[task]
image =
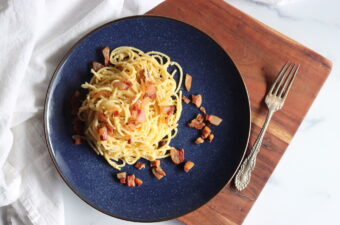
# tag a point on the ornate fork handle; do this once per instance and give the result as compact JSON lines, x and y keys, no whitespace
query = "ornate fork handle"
{"x":243,"y":175}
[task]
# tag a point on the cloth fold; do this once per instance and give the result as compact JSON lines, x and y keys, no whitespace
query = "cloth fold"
{"x":35,"y":36}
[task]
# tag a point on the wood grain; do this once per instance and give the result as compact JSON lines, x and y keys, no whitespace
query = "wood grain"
{"x":258,"y":52}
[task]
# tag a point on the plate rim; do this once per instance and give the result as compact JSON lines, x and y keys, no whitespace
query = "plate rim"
{"x":47,"y":103}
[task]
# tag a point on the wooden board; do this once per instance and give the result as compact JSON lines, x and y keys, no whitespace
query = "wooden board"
{"x":259,"y":52}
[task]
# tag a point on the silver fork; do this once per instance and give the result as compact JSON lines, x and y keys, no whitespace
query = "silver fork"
{"x":274,"y":100}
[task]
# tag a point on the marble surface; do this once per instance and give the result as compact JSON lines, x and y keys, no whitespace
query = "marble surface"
{"x":304,"y":188}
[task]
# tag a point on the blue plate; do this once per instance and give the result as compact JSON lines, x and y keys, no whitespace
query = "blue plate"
{"x":215,"y":76}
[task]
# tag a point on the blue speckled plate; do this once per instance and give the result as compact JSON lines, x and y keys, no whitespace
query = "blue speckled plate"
{"x":224,"y":94}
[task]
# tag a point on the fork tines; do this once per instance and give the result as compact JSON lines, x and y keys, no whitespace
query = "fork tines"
{"x":284,"y":80}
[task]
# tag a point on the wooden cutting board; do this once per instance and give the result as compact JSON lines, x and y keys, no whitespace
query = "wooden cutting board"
{"x":258,"y":52}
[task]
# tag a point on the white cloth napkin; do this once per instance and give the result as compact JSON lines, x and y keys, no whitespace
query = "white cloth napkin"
{"x":34,"y":35}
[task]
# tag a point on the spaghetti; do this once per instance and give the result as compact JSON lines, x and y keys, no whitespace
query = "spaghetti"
{"x":133,"y":106}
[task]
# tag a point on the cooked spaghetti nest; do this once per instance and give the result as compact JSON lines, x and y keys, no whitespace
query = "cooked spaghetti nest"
{"x":133,"y":106}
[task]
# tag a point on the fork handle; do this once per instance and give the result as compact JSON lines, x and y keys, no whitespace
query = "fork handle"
{"x":242,"y":178}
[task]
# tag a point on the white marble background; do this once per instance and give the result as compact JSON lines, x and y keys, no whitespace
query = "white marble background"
{"x":305,"y":187}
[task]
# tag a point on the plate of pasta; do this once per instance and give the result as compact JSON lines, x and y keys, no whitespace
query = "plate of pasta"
{"x":147,"y":118}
